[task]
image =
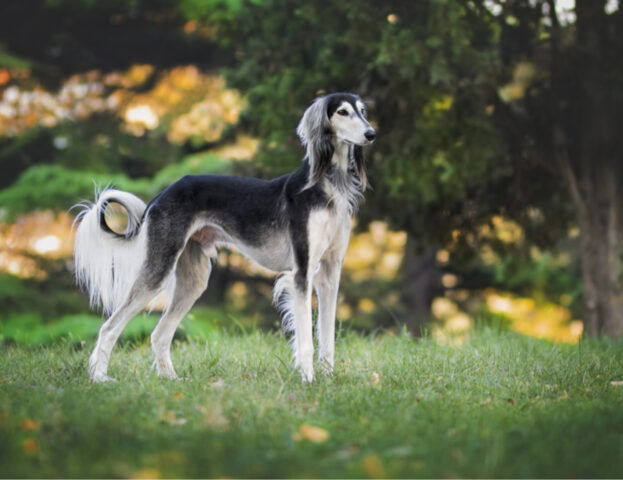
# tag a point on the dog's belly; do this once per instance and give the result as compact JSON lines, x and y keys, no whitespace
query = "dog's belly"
{"x":274,"y":254}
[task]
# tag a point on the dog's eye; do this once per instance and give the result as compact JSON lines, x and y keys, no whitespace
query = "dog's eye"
{"x":342,"y":111}
{"x":364,"y":112}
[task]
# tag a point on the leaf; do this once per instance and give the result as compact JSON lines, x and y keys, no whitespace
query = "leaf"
{"x":146,"y":473}
{"x":311,"y":433}
{"x":29,"y":424}
{"x":373,"y":466}
{"x":30,"y":446}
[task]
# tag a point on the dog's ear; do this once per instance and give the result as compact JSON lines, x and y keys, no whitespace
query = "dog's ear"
{"x":316,"y":133}
{"x":360,"y":166}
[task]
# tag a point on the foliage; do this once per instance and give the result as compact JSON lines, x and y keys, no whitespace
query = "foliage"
{"x":82,"y":35}
{"x":56,"y":187}
{"x":11,"y":61}
{"x":47,"y":300}
{"x":14,"y":294}
{"x":28,"y":330}
{"x":500,"y":405}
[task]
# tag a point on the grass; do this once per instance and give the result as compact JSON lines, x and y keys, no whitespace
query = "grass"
{"x":500,"y":405}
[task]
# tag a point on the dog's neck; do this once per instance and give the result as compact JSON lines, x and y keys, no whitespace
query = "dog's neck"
{"x":341,"y":155}
{"x":343,"y":186}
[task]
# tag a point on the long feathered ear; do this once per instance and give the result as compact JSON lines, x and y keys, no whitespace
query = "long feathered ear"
{"x":315,"y":133}
{"x":360,"y":166}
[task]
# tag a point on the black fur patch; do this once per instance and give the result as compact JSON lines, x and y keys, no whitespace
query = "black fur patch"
{"x":336,"y":99}
{"x":360,"y":166}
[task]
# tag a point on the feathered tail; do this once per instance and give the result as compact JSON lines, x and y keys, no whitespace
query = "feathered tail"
{"x":107,"y":263}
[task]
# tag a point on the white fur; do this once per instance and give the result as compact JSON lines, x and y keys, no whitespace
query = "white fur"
{"x":96,"y":251}
{"x":352,"y":127}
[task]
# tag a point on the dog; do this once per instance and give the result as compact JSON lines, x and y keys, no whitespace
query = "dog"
{"x":297,"y":225}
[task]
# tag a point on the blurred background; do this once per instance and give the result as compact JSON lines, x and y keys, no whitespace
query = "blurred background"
{"x":496,"y":178}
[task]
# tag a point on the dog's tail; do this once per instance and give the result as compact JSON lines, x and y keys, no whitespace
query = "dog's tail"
{"x":107,"y":263}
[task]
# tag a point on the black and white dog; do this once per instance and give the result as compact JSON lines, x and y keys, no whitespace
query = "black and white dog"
{"x":298,"y":224}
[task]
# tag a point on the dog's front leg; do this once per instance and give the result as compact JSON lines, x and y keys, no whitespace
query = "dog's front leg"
{"x":303,"y":337}
{"x":326,"y":284}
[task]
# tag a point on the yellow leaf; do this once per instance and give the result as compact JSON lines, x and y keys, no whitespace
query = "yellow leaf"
{"x":178,"y":395}
{"x":30,"y":446}
{"x":311,"y":433}
{"x":373,"y":466}
{"x":29,"y":424}
{"x":146,"y":473}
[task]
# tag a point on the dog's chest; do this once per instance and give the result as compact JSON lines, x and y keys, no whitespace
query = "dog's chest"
{"x":326,"y":227}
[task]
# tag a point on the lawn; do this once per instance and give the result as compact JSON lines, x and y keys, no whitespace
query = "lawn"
{"x":498,"y":405}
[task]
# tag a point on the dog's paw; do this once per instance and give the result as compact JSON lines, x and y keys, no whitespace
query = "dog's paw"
{"x":173,"y":377}
{"x":165,"y":370}
{"x":307,"y":375}
{"x":102,"y":379}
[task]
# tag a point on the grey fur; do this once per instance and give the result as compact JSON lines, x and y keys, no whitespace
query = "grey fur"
{"x":316,"y":133}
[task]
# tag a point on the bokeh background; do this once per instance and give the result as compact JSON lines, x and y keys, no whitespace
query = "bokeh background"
{"x":496,"y":175}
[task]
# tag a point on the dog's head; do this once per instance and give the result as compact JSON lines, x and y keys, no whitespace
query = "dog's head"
{"x":338,"y":117}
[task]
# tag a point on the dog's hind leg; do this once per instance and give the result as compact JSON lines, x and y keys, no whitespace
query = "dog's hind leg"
{"x":191,"y":278}
{"x":110,"y":330}
{"x":163,"y":255}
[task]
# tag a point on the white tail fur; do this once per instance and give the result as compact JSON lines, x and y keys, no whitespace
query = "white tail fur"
{"x":106,"y":263}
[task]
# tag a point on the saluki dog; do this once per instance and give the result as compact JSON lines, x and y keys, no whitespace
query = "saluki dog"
{"x":298,"y":225}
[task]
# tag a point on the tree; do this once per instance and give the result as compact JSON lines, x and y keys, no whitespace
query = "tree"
{"x":569,"y":121}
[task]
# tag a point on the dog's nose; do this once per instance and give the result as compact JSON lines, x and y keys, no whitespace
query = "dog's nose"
{"x":370,"y":135}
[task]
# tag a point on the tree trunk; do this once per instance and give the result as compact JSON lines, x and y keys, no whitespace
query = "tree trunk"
{"x":592,"y":169}
{"x":421,"y":282}
{"x":600,"y":251}
{"x":596,"y":196}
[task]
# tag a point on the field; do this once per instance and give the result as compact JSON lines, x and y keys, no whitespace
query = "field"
{"x":498,"y":405}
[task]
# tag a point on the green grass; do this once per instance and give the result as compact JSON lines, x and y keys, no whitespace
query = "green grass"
{"x":499,"y":405}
